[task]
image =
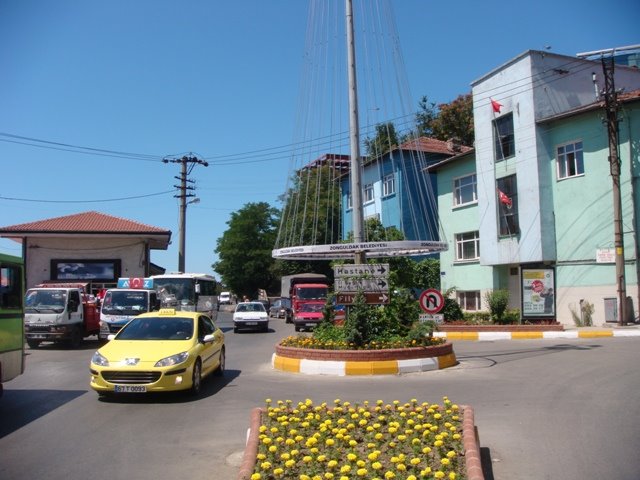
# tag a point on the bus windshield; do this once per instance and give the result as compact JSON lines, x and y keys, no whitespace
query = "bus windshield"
{"x":175,"y":291}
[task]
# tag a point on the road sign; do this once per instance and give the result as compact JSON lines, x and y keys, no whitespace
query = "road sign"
{"x":436,"y":317}
{"x":380,"y":298}
{"x":431,"y":300}
{"x":361,"y":270}
{"x":379,"y":284}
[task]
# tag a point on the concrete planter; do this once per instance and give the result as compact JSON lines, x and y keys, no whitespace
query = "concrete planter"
{"x":363,"y":362}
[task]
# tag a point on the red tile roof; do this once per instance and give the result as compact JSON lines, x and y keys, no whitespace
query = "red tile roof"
{"x":86,"y":222}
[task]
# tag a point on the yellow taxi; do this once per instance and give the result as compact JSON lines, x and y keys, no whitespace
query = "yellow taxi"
{"x":159,"y":351}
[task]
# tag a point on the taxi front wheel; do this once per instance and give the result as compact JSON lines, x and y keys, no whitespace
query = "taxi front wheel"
{"x":196,"y":379}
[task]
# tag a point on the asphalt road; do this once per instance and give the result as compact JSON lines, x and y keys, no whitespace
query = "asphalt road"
{"x":545,"y":409}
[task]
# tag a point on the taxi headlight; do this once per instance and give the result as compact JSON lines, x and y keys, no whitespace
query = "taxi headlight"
{"x":173,"y":360}
{"x":99,"y":360}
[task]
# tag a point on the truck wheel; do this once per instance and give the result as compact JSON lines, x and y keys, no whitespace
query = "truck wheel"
{"x":33,"y":343}
{"x":76,"y":338}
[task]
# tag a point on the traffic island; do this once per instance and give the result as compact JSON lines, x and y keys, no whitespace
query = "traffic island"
{"x":363,"y":362}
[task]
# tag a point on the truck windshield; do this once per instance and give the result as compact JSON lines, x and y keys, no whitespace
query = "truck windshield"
{"x":125,"y":303}
{"x":311,"y":293}
{"x":45,"y":300}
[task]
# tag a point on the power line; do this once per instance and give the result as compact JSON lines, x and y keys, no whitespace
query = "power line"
{"x":86,"y":201}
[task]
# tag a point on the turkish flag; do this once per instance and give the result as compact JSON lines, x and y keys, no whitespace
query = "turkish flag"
{"x":496,"y":106}
{"x":504,"y":199}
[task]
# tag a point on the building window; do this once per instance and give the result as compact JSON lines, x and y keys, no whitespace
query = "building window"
{"x":507,"y":193}
{"x":469,"y":300}
{"x":368,"y":193}
{"x":570,"y":160}
{"x":504,"y":139}
{"x":467,"y":246}
{"x":465,"y":190}
{"x":388,"y":185}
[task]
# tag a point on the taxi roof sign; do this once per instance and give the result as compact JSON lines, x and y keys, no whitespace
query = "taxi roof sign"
{"x":135,"y":282}
{"x":167,"y":311}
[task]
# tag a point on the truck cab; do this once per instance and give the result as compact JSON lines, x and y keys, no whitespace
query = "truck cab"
{"x":59,"y":313}
{"x":120,"y":305}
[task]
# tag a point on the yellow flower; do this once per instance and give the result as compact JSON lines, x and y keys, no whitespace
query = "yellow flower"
{"x":414,"y":461}
{"x":345,"y":469}
{"x":330,"y":442}
{"x":362,"y":472}
{"x":328,"y":475}
{"x":256,"y":476}
{"x":452,"y":476}
{"x":376,"y":465}
{"x":451,"y":454}
{"x":265,"y":465}
{"x":445,"y":461}
{"x":304,"y":477}
{"x":439,"y":474}
{"x":389,"y":474}
{"x":332,"y":463}
{"x":307,"y":458}
{"x":351,"y":457}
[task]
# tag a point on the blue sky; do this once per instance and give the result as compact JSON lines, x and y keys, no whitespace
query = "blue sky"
{"x":219,"y":79}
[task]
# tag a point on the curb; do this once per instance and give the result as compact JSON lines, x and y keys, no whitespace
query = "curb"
{"x":573,"y":334}
{"x":470,"y":442}
{"x":374,"y":367}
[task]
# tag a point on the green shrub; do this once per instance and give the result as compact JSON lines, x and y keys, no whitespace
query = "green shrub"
{"x":497,"y":300}
{"x":452,"y":310}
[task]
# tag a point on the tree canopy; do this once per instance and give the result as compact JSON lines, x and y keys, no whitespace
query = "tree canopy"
{"x":447,"y":120}
{"x":245,"y":263}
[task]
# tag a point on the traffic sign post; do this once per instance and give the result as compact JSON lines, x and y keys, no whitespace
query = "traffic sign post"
{"x":362,"y":284}
{"x":370,"y":279}
{"x":370,"y":298}
{"x":431,"y":301}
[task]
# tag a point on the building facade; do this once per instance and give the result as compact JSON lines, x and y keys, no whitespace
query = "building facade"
{"x":541,"y":225}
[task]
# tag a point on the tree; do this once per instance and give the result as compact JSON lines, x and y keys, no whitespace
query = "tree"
{"x":449,"y":121}
{"x":245,"y":263}
{"x":385,"y":139}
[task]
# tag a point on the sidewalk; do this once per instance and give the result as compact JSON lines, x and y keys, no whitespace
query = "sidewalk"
{"x":631,"y":330}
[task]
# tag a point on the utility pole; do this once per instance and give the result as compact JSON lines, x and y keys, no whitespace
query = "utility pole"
{"x":611,"y":109}
{"x":186,"y":187}
{"x":354,"y":129}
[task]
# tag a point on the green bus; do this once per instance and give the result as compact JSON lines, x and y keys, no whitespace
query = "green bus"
{"x":11,"y":318}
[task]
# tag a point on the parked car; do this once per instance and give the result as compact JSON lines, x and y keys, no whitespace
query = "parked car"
{"x":224,"y":298}
{"x":159,"y":352}
{"x":280,"y":308}
{"x":250,"y":315}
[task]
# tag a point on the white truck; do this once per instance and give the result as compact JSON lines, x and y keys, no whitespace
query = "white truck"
{"x":59,"y":312}
{"x":132,"y":297}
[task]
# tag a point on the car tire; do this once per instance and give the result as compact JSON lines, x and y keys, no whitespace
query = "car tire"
{"x":235,"y":329}
{"x":196,"y":378}
{"x":219,"y":372}
{"x":297,"y":328}
{"x":33,"y":343}
{"x":266,"y":328}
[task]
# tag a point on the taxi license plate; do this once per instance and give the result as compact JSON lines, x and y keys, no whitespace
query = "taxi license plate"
{"x":251,"y":323}
{"x":130,"y":389}
{"x":309,"y":324}
{"x":38,"y":336}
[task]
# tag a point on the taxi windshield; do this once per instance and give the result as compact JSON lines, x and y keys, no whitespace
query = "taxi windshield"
{"x":157,"y":328}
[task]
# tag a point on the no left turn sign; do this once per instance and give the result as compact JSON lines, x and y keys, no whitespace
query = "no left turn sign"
{"x":431,"y":300}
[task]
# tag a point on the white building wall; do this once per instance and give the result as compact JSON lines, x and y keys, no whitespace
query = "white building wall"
{"x":40,"y":251}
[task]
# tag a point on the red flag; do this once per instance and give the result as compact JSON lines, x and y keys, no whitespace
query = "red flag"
{"x":496,"y":106}
{"x":506,"y":201}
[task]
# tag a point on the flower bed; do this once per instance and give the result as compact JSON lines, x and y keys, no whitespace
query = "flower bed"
{"x":407,"y":441}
